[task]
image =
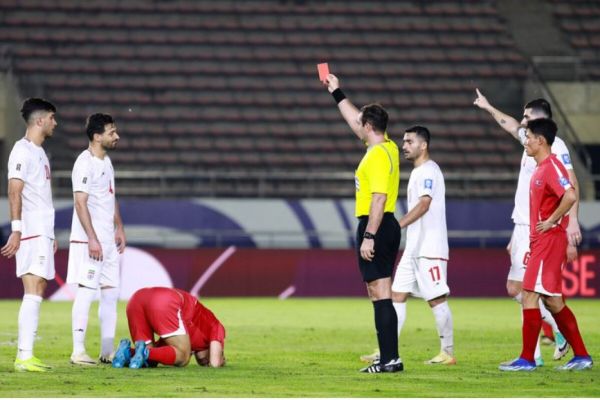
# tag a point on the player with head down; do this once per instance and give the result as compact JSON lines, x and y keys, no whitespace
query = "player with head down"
{"x":184,"y":327}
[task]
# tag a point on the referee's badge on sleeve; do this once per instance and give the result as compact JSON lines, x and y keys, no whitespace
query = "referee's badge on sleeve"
{"x":428,"y":183}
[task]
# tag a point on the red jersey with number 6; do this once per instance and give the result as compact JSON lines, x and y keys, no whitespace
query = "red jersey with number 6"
{"x":548,"y":184}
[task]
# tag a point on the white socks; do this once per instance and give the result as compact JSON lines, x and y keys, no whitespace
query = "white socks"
{"x":401,"y":312}
{"x":445,"y":326}
{"x":547,"y":317}
{"x":519,"y":298}
{"x":29,"y":314}
{"x":107,"y":313}
{"x":443,"y":322}
{"x":79,"y":316}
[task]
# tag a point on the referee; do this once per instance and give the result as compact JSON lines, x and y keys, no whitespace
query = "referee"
{"x":378,"y":233}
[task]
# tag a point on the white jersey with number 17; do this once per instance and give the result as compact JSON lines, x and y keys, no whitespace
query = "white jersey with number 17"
{"x":427,"y":236}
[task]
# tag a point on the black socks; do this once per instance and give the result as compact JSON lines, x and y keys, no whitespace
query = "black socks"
{"x":386,"y":323}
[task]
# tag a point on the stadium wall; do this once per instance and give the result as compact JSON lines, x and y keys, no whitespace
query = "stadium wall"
{"x":277,"y":247}
{"x":236,"y":271}
{"x":581,"y":102}
{"x":290,"y":224}
{"x":11,"y":125}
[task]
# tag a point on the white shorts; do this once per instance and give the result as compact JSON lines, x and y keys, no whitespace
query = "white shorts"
{"x":36,"y":256}
{"x":519,"y":252}
{"x":422,"y":277}
{"x":91,"y":273}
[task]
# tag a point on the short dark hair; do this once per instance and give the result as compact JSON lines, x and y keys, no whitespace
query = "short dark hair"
{"x":96,"y":123}
{"x":540,"y":106}
{"x":34,"y":104}
{"x":375,"y":115}
{"x":544,"y":127}
{"x":421,"y":132}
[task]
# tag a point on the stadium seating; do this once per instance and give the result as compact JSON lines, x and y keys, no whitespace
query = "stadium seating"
{"x":580,"y":22}
{"x":232,"y":86}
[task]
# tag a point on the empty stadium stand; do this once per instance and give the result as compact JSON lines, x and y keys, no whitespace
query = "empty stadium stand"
{"x":580,"y":22}
{"x":227,"y":91}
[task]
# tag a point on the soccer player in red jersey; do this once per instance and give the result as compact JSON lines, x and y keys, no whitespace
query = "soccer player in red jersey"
{"x":184,"y":327}
{"x":551,"y":196}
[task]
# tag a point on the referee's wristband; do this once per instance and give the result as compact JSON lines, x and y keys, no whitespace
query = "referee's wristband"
{"x":16,"y":225}
{"x":338,"y":95}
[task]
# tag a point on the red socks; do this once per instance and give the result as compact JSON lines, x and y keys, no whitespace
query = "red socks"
{"x":547,"y":330}
{"x":532,"y":323}
{"x":567,"y":324}
{"x":164,"y":355}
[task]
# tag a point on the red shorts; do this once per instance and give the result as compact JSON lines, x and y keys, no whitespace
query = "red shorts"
{"x":546,"y":262}
{"x":155,"y":310}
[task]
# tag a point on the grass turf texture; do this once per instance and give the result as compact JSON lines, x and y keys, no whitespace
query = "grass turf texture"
{"x":310,"y":348}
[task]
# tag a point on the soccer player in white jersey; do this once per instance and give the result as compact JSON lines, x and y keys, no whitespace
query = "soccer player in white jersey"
{"x":32,"y":222}
{"x":518,"y":246}
{"x":422,"y":268}
{"x":97,"y":239}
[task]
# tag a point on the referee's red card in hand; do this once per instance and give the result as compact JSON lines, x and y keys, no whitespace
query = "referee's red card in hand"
{"x":323,"y":71}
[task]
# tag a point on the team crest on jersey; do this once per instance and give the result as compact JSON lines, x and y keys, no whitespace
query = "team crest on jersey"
{"x":564,"y":182}
{"x":538,"y":182}
{"x":566,"y":159}
{"x":90,"y":274}
{"x":428,"y":183}
{"x":18,"y":168}
{"x":84,"y":180}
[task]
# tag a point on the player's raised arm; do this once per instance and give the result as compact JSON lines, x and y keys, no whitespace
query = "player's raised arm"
{"x":15,"y":189}
{"x":348,"y":110}
{"x":506,"y":122}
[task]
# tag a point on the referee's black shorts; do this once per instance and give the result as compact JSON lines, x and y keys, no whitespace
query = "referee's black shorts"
{"x":387,"y":243}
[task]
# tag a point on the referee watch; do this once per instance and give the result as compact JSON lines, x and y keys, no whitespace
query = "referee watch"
{"x":369,"y":235}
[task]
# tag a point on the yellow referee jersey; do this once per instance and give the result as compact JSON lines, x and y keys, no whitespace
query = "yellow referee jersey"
{"x":378,"y":172}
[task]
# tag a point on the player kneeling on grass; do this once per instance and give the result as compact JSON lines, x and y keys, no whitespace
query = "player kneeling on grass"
{"x":184,"y":326}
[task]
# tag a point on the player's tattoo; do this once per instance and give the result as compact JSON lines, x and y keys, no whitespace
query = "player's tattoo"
{"x":502,"y":121}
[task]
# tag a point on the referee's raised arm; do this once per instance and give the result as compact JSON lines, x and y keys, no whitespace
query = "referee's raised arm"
{"x":376,"y":180}
{"x":348,"y":110}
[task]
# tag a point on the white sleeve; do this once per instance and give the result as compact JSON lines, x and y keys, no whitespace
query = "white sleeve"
{"x":425,"y":182}
{"x":81,"y":176}
{"x":521,"y":132}
{"x":18,"y":162}
{"x":562,"y":153}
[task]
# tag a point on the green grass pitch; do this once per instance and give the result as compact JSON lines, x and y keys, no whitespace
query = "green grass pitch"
{"x":310,"y":348}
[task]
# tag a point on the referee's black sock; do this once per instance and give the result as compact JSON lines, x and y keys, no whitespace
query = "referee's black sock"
{"x":386,"y":323}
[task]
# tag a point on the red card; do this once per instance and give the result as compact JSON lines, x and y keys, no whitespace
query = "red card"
{"x":323,"y":71}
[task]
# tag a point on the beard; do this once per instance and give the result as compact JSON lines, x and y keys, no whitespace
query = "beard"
{"x":110,"y":146}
